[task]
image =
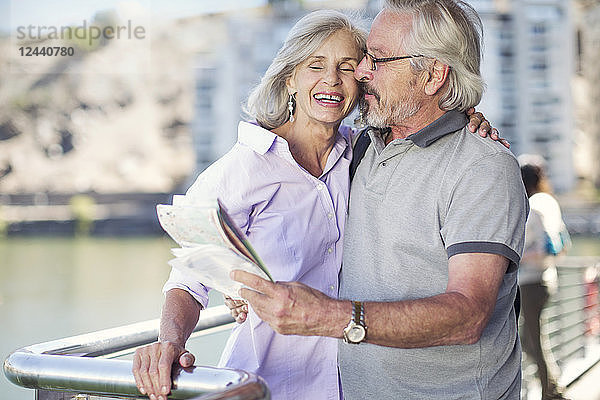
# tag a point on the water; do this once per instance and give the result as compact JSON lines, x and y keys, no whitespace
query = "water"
{"x":585,"y":246}
{"x":56,"y":287}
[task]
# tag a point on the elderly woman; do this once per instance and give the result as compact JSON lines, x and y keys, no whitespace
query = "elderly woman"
{"x":286,"y":184}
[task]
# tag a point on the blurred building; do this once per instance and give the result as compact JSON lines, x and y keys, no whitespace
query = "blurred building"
{"x":586,"y":89}
{"x":528,"y":65}
{"x":226,"y":73}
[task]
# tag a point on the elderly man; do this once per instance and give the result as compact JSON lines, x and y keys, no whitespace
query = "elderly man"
{"x":429,"y":274}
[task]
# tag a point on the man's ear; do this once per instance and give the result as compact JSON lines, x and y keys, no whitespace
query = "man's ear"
{"x":437,"y":77}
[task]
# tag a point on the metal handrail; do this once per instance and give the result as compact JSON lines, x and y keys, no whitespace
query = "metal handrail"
{"x":72,"y":364}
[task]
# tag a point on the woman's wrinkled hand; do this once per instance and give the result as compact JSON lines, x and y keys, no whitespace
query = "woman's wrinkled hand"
{"x":478,"y":123}
{"x":152,"y":365}
{"x":238,"y":309}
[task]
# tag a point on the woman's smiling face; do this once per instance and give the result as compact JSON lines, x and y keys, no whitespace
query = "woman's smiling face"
{"x":326,"y":91}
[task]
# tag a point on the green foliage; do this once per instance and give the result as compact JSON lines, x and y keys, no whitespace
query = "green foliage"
{"x":3,"y":225}
{"x":83,"y":208}
{"x":84,"y":42}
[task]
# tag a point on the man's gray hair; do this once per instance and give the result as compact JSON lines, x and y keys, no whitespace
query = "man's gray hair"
{"x":267,"y":102}
{"x":451,"y":32}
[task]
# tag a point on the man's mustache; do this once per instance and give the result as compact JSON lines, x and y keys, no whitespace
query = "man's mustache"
{"x":367,"y":89}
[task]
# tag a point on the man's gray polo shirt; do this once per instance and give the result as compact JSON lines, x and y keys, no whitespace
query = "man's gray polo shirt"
{"x":414,"y":203}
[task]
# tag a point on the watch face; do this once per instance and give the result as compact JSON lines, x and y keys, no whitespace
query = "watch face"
{"x":356,"y":333}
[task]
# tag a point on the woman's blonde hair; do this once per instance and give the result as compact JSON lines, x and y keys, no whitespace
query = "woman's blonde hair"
{"x":267,"y":102}
{"x":451,"y":32}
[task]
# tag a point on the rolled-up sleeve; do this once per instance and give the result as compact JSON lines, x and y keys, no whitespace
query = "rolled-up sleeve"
{"x":179,"y":280}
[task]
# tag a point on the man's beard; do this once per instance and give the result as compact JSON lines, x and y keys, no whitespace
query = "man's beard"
{"x":383,"y":114}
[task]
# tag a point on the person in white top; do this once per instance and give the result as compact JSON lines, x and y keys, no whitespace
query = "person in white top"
{"x":546,"y":237}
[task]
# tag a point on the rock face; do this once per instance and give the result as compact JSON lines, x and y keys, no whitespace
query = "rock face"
{"x":110,"y":119}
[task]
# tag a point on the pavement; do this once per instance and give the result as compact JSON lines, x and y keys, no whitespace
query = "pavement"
{"x":587,"y":387}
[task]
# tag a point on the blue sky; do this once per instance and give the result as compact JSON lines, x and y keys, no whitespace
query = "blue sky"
{"x":14,"y":13}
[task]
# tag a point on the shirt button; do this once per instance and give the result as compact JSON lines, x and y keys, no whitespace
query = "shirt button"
{"x":330,"y":250}
{"x":383,"y":164}
{"x":320,"y":186}
{"x":329,"y":215}
{"x":331,"y":287}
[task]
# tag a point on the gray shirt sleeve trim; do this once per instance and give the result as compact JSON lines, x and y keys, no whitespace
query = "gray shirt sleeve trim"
{"x":486,"y":247}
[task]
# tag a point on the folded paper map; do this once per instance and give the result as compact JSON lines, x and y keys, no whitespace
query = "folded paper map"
{"x":211,"y":244}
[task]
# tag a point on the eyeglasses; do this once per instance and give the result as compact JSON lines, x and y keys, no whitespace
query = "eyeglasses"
{"x":374,"y":60}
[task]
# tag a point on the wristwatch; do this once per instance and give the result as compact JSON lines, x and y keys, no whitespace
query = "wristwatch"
{"x":356,"y":331}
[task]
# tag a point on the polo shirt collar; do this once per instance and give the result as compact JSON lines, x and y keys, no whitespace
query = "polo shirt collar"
{"x":451,"y":121}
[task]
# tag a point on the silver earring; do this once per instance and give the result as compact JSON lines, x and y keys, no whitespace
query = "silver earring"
{"x":291,"y":107}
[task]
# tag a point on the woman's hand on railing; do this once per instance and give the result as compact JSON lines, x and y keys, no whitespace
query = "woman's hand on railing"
{"x":152,"y":365}
{"x":238,"y":309}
